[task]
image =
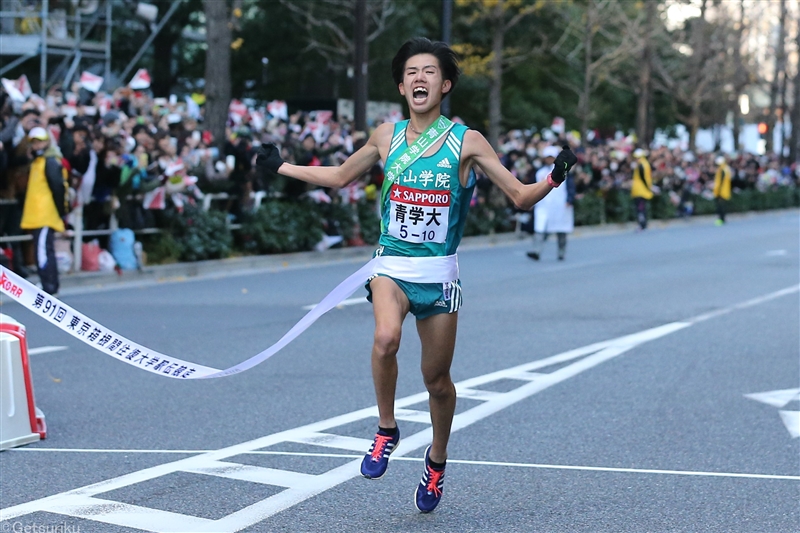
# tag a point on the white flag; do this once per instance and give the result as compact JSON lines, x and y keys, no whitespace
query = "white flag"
{"x":140,"y":80}
{"x":91,"y":82}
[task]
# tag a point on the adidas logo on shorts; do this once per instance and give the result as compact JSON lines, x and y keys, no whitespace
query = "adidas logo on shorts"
{"x":444,"y":163}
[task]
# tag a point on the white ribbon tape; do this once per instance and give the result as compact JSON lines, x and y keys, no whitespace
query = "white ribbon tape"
{"x":83,"y":328}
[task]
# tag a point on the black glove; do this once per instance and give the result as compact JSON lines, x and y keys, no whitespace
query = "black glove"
{"x":269,"y":157}
{"x":564,"y":162}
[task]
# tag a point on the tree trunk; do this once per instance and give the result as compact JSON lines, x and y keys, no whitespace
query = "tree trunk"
{"x":700,"y":55}
{"x":645,"y":82}
{"x":583,"y":104}
{"x":360,"y":61}
{"x":784,"y":80}
{"x":694,"y":126}
{"x":496,"y":87}
{"x":218,"y":68}
{"x":162,"y":63}
{"x":794,"y":141}
{"x":775,"y":85}
{"x":739,"y":78}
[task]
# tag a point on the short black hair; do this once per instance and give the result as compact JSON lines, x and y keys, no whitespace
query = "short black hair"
{"x":448,"y":59}
{"x":30,"y":112}
{"x":139,"y":128}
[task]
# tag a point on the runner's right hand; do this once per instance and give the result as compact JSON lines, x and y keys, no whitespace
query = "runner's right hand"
{"x":268,"y":156}
{"x":563,"y":163}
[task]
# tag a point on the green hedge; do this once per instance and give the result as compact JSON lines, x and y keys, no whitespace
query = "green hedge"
{"x":618,"y":206}
{"x":280,"y":227}
{"x":292,"y":226}
{"x":191,"y":235}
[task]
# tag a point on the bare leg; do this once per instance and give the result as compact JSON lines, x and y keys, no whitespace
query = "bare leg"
{"x":438,"y":336}
{"x":390,"y":305}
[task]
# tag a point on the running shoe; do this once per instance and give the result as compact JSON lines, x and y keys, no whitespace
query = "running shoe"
{"x":429,"y":490}
{"x":377,"y":459}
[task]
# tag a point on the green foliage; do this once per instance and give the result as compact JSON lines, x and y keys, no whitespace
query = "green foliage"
{"x":751,"y":200}
{"x":339,"y":219}
{"x":369,"y":221}
{"x":589,"y":210}
{"x":200,"y":234}
{"x":161,"y":248}
{"x":280,"y":227}
{"x":283,"y":227}
{"x":484,"y":218}
{"x":619,"y":206}
{"x":661,"y":207}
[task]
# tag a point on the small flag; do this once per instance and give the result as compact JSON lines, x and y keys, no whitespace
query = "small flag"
{"x":18,"y":90}
{"x":24,"y":86}
{"x":91,"y":82}
{"x":278,"y":109}
{"x":155,"y":199}
{"x":140,"y":80}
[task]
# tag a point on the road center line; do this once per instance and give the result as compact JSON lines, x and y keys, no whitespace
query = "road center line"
{"x":343,"y":303}
{"x":46,"y":349}
{"x":83,"y":501}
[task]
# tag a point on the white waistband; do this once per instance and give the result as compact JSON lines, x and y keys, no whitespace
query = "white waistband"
{"x":418,"y":269}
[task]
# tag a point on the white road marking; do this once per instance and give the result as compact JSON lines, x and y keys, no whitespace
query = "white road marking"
{"x":775,"y":398}
{"x":46,"y":349}
{"x":743,"y":305}
{"x":776,"y":253}
{"x":780,"y":398}
{"x":82,"y":502}
{"x":450,"y":460}
{"x":344,"y":303}
{"x":791,"y":419}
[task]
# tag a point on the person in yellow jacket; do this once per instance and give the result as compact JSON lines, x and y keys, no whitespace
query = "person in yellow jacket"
{"x":45,"y":205}
{"x":641,"y":186}
{"x":722,"y":188}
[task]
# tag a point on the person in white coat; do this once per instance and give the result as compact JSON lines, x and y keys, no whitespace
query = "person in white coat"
{"x":554,"y":213}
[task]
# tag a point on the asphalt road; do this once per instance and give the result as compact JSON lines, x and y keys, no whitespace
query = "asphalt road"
{"x":605,"y":393}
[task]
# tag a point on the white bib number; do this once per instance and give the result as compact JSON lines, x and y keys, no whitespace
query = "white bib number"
{"x":418,"y":215}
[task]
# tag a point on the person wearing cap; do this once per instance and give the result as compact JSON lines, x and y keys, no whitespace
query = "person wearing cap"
{"x":722,"y":188}
{"x":553,"y":213}
{"x":45,"y":205}
{"x":641,"y":186}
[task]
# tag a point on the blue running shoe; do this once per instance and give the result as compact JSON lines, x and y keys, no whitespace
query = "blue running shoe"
{"x":377,"y":459}
{"x":429,"y":490}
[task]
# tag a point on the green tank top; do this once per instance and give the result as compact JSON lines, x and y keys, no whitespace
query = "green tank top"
{"x":424,"y":210}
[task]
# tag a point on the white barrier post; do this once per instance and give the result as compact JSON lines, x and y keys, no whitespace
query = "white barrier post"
{"x":20,"y":421}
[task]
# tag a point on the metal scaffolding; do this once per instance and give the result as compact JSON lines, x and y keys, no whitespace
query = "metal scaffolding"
{"x":74,"y":31}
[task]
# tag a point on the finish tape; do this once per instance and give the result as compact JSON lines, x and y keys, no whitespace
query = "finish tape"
{"x":99,"y":337}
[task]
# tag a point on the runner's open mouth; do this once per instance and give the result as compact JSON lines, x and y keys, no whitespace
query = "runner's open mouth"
{"x":420,"y":94}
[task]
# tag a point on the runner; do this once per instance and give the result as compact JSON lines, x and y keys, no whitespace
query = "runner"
{"x":428,"y":162}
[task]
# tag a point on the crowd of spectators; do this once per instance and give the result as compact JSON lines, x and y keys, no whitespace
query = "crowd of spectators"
{"x":606,"y":165}
{"x":129,"y":156}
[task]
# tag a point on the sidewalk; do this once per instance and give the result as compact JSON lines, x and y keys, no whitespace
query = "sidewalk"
{"x":361,"y":254}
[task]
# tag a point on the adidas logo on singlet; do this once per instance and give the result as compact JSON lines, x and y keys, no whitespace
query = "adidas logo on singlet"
{"x":444,"y":163}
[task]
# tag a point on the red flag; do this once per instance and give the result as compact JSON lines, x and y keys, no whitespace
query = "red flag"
{"x":140,"y":80}
{"x":91,"y":82}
